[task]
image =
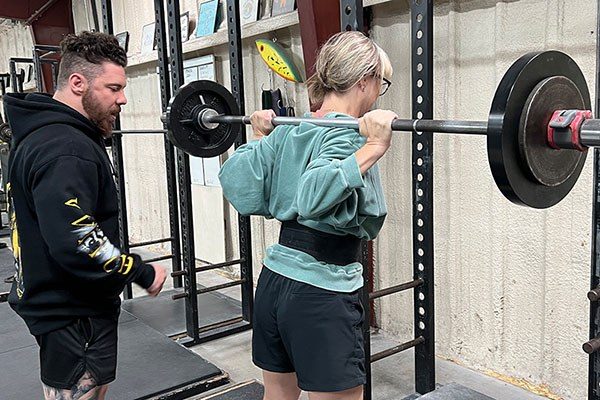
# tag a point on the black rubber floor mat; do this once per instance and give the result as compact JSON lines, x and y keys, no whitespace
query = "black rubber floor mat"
{"x":168,"y":316}
{"x":150,"y":365}
{"x":252,"y":390}
{"x":13,"y":332}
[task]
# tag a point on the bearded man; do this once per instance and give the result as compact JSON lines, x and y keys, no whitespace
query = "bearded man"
{"x":64,"y":219}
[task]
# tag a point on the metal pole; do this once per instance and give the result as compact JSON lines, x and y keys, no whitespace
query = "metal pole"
{"x":422,"y":171}
{"x":12,"y":68}
{"x":594,"y":358}
{"x":38,"y":70}
{"x":117,"y":151}
{"x":351,"y":15}
{"x":185,"y":192}
{"x":165,"y":92}
{"x":95,"y":15}
{"x":351,"y":19}
{"x":237,"y":89}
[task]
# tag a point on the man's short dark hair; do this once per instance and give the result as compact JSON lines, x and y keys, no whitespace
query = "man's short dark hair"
{"x":84,"y":53}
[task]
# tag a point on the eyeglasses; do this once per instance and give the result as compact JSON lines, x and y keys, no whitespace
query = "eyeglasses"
{"x":385,"y":85}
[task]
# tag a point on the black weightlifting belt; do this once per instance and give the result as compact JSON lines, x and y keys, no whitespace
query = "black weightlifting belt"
{"x":325,"y":247}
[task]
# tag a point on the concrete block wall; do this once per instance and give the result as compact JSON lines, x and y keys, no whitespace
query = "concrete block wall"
{"x":511,"y":282}
{"x":15,"y":41}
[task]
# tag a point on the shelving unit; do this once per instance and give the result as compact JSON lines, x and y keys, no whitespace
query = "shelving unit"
{"x":220,"y":38}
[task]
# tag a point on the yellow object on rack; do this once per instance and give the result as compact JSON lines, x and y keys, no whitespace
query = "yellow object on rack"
{"x":277,"y":60}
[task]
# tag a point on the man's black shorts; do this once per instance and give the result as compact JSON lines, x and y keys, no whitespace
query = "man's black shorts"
{"x":87,"y":344}
{"x":314,"y":332}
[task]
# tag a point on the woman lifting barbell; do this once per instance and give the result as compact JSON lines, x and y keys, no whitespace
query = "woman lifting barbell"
{"x":323,"y":184}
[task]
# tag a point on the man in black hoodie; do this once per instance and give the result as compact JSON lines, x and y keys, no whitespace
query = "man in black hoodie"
{"x":69,"y":272}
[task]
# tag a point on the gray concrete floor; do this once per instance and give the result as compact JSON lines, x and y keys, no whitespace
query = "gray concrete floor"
{"x":392,"y":377}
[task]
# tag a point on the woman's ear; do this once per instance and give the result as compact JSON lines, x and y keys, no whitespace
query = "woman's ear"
{"x":362,"y":84}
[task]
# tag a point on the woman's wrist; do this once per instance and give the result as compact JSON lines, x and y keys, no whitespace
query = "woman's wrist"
{"x":369,"y":154}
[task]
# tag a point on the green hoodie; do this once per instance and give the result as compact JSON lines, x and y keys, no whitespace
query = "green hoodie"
{"x":309,"y":174}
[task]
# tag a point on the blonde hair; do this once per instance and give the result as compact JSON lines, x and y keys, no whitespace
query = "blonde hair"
{"x":343,"y":60}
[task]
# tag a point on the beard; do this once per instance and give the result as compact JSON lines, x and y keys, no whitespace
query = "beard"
{"x":102,"y":118}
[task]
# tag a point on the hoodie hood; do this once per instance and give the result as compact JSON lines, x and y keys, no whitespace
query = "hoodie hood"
{"x":27,"y":112}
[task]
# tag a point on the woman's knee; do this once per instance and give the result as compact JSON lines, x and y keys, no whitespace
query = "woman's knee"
{"x":280,"y":386}
{"x":355,"y":393}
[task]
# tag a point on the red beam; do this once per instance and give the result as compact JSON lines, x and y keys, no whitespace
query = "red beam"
{"x":19,"y":9}
{"x":319,"y":20}
{"x":40,"y":11}
{"x":50,"y":27}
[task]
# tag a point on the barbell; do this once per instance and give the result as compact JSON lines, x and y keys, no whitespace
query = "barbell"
{"x":538,"y":129}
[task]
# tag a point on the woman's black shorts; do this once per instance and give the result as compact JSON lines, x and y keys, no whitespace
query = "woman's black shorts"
{"x":314,"y":332}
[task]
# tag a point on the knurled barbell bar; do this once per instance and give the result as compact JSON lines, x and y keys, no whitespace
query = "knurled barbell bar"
{"x":538,"y":129}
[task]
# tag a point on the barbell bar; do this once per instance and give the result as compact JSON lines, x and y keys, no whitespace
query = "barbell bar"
{"x":589,"y":131}
{"x":536,"y":151}
{"x":207,"y":119}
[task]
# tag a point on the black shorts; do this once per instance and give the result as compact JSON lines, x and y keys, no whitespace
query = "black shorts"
{"x":87,"y":344}
{"x":314,"y":332}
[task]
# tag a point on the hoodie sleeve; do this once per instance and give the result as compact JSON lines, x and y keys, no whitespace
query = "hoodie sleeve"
{"x":65,"y":194}
{"x":246,"y":177}
{"x":327,"y":188}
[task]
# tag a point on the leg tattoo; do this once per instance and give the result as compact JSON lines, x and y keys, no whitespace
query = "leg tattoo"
{"x":85,"y":389}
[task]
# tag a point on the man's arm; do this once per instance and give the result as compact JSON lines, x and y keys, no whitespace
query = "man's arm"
{"x":65,"y":195}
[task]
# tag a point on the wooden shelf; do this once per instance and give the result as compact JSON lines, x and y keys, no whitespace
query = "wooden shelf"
{"x":220,"y":38}
{"x":368,"y":3}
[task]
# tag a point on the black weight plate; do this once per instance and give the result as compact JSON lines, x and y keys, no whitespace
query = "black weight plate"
{"x":510,"y":171}
{"x":546,"y":165}
{"x":184,"y":131}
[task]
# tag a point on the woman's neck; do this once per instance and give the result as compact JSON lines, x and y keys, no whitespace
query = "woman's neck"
{"x":342,"y":103}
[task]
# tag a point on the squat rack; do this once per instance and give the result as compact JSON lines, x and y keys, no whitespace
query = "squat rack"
{"x":196,"y":334}
{"x":119,"y":172}
{"x":182,"y":239}
{"x":16,"y":80}
{"x":41,"y":55}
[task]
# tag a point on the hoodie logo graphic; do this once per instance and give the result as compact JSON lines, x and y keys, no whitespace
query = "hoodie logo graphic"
{"x":92,"y":241}
{"x":72,"y":203}
{"x":16,"y":246}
